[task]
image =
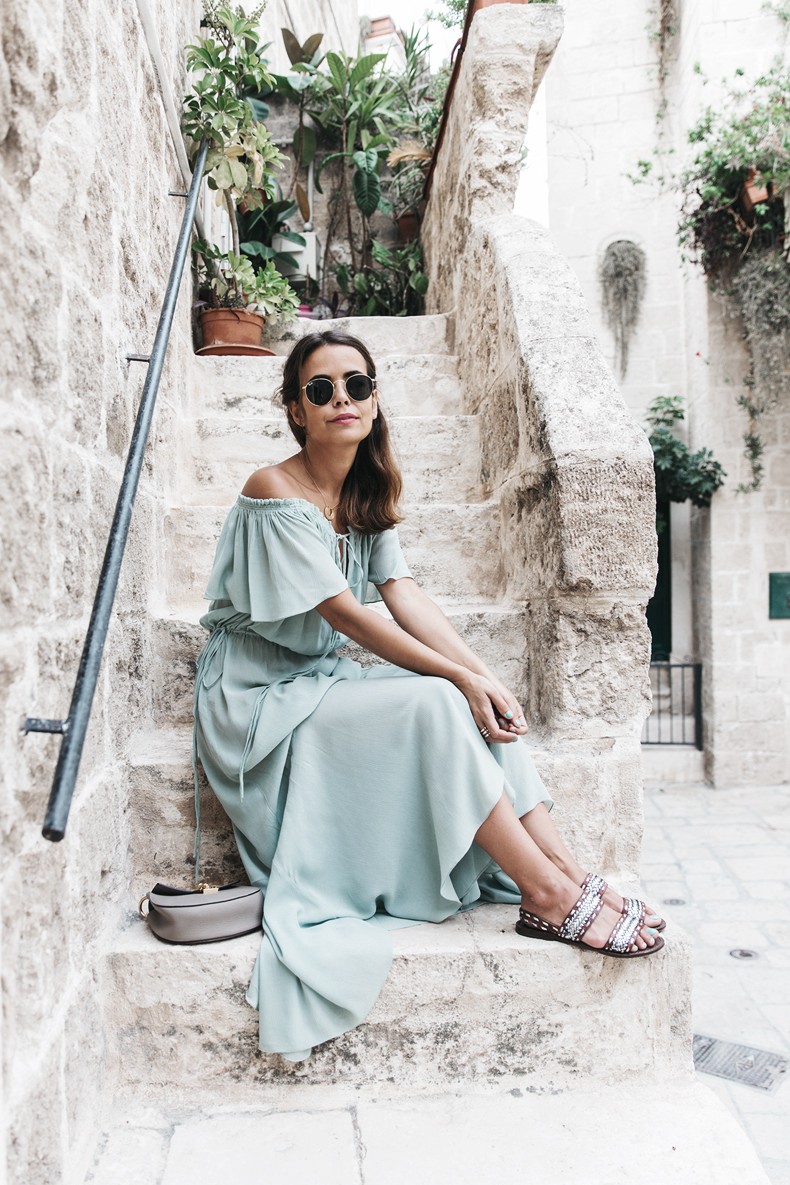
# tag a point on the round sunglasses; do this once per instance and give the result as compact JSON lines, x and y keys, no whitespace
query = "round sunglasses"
{"x":359,"y":387}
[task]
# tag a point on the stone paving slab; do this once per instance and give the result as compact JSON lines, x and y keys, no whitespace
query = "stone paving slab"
{"x":725,"y":854}
{"x":464,"y":1137}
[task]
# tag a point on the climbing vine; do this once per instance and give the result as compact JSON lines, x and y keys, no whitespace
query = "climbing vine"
{"x":622,"y":276}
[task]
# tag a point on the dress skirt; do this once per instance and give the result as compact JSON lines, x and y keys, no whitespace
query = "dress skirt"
{"x":355,"y":793}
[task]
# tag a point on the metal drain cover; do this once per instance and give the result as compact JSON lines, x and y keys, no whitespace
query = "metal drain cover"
{"x":739,"y":1063}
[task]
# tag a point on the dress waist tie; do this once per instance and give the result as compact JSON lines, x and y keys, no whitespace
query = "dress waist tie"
{"x":217,"y":638}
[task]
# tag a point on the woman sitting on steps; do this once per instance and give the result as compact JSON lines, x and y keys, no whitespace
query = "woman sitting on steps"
{"x":363,"y":799}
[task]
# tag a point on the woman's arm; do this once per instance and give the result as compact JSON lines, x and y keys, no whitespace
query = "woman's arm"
{"x":421,"y":617}
{"x":487,"y":699}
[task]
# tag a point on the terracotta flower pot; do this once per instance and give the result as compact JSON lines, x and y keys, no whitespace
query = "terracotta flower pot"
{"x":488,"y":3}
{"x":408,"y":226}
{"x":232,"y":331}
{"x":752,"y":194}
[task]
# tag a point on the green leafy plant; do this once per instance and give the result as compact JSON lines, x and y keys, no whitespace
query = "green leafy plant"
{"x":744,"y":139}
{"x":219,"y":107}
{"x":392,"y":286}
{"x":355,"y":111}
{"x":259,"y":226}
{"x":303,"y":87}
{"x":231,"y":282}
{"x":680,"y":474}
{"x":732,"y":224}
{"x":451,"y":14}
{"x":241,"y":157}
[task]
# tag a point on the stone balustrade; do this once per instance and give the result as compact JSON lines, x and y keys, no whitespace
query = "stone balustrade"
{"x":571,"y":471}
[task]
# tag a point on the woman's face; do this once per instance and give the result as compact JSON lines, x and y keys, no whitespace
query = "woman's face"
{"x":343,"y":420}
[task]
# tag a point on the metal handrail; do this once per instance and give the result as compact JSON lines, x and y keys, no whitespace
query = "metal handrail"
{"x":75,"y":726}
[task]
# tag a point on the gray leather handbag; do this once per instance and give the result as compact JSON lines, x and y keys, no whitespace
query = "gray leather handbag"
{"x":208,"y":913}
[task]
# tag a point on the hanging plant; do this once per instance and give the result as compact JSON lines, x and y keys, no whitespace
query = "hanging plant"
{"x":622,"y":275}
{"x":732,"y":224}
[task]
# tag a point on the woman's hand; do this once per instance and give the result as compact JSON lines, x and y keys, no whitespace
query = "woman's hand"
{"x":493,"y":707}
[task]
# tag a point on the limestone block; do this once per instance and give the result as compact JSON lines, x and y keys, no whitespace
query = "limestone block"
{"x":596,"y":787}
{"x":508,"y":50}
{"x":596,"y":682}
{"x":382,"y":335}
{"x":451,"y":1010}
{"x":27,"y":514}
{"x":278,"y":1141}
{"x":162,"y":818}
{"x":83,"y":1072}
{"x":28,"y":1156}
{"x":177,"y":641}
{"x":39,"y":946}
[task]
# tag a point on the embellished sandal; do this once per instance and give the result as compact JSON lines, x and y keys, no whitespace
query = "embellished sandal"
{"x":619,"y":944}
{"x":599,"y":885}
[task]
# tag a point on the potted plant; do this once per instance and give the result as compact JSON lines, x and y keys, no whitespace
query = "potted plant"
{"x":237,"y":299}
{"x":406,"y":189}
{"x":240,"y":165}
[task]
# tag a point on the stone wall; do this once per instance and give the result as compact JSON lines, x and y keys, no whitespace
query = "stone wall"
{"x":572,"y":472}
{"x":88,"y":232}
{"x":602,"y":96}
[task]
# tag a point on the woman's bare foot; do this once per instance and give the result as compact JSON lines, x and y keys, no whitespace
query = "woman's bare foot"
{"x":555,"y":909}
{"x":616,"y":901}
{"x":538,"y":824}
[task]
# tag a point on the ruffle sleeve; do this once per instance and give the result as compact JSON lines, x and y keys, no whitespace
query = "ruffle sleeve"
{"x":273,"y":560}
{"x":386,"y":558}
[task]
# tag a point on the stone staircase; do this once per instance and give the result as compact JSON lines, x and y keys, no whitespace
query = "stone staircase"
{"x":468,"y":1004}
{"x":186,"y":1005}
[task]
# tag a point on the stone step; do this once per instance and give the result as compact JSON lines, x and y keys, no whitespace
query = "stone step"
{"x":496,"y":633}
{"x":409,"y":384}
{"x":673,"y":765}
{"x":452,"y":550}
{"x":466,"y":1001}
{"x":439,"y":456}
{"x":430,"y":334}
{"x":466,"y":1136}
{"x":162,"y":816}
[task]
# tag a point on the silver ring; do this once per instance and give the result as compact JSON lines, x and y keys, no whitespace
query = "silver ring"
{"x":485,"y":734}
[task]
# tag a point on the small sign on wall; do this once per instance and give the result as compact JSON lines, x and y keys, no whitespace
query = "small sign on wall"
{"x":779,"y":594}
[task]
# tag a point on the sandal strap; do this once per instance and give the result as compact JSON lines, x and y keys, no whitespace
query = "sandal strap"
{"x":628,"y":926}
{"x":582,"y":916}
{"x":577,"y":922}
{"x":532,"y":919}
{"x":595,"y":882}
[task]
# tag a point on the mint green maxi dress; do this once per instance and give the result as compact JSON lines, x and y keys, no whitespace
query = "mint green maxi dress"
{"x":354,"y":793}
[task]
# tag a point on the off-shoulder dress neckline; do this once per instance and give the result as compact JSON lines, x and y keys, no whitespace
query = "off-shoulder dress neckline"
{"x":274,"y":503}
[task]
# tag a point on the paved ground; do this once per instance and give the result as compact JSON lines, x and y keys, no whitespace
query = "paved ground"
{"x":726,"y":855}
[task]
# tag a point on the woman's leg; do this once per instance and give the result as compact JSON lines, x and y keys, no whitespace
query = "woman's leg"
{"x":545,"y":889}
{"x":541,"y":829}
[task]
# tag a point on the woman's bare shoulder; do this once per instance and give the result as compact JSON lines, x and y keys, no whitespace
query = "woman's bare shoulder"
{"x":269,"y":482}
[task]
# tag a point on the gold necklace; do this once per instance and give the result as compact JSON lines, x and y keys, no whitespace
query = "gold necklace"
{"x":329,"y":511}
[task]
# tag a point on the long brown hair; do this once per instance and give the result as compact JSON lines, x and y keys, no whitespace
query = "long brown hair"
{"x":371,"y":492}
